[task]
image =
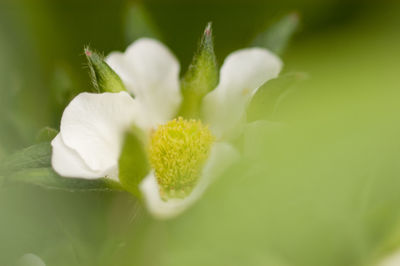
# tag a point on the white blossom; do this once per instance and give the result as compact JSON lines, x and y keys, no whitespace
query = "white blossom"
{"x":93,"y":125}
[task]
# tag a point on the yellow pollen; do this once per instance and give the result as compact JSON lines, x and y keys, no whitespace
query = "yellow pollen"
{"x":178,"y":151}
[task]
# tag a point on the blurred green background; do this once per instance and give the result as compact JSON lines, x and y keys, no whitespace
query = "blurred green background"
{"x":320,"y":188}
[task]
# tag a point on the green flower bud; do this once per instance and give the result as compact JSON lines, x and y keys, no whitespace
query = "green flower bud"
{"x":104,"y":79}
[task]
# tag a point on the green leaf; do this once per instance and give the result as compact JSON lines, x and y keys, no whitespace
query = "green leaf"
{"x":277,"y":36}
{"x":201,"y":77}
{"x":140,"y":24}
{"x":32,"y":165}
{"x":268,"y":97}
{"x":104,"y":79}
{"x":133,"y":164}
{"x":46,"y":177}
{"x":35,"y":156}
{"x":46,"y":134}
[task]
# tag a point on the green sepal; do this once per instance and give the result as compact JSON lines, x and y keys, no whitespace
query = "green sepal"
{"x":46,"y":134}
{"x":32,"y":165}
{"x":266,"y":100}
{"x":133,"y":163}
{"x":200,"y":78}
{"x":64,"y":86}
{"x":278,"y":35}
{"x":140,"y":24}
{"x":104,"y":79}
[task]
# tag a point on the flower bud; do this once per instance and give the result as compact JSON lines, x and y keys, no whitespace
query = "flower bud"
{"x":104,"y":79}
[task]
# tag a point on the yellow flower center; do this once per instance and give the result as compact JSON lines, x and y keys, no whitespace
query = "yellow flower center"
{"x":178,"y":151}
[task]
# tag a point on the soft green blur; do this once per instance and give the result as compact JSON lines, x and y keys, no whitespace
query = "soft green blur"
{"x":318,"y":185}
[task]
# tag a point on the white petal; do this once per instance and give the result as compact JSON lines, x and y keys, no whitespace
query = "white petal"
{"x":222,"y":156}
{"x":242,"y":73}
{"x":93,"y":126}
{"x":151,"y":72}
{"x":67,"y":162}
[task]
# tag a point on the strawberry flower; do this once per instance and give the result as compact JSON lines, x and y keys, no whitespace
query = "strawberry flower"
{"x":185,"y":154}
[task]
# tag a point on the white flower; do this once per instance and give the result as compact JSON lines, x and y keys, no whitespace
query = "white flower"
{"x":93,"y":125}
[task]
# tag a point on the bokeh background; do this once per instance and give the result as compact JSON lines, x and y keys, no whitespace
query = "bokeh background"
{"x":322,"y":188}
